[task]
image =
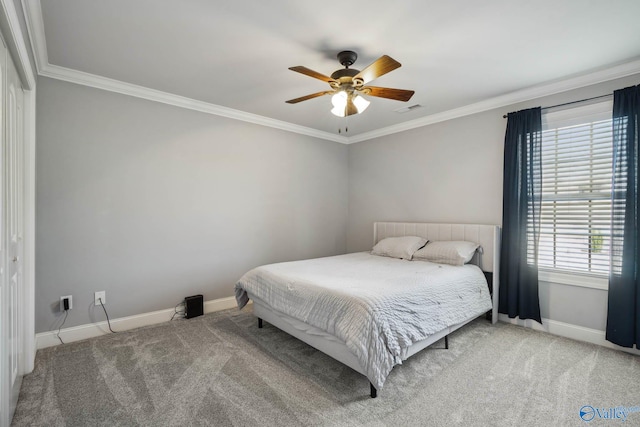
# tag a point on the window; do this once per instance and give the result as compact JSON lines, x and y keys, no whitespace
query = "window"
{"x":575,"y":217}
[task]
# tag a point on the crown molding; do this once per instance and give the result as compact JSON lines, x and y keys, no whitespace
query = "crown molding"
{"x":35,"y":25}
{"x":534,"y":92}
{"x":16,"y":44}
{"x":104,"y":83}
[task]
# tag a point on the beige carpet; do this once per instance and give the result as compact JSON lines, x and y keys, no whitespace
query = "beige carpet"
{"x":221,"y":370}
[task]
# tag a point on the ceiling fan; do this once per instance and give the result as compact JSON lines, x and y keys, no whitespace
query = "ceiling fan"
{"x":348,"y":84}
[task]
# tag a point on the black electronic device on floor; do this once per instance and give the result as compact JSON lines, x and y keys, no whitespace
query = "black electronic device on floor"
{"x":193,"y":306}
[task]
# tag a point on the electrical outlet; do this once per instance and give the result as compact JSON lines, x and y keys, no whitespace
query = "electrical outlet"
{"x":98,"y":296}
{"x":68,"y":297}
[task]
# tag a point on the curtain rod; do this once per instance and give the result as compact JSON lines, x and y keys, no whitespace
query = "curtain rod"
{"x":572,"y":102}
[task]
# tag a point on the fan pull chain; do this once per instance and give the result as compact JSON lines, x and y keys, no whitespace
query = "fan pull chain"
{"x":346,"y":124}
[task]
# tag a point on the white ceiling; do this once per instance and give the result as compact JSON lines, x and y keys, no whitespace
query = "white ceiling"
{"x":235,"y":54}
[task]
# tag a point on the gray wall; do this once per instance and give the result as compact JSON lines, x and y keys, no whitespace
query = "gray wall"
{"x":452,"y":172}
{"x":152,"y":203}
{"x":446,"y":172}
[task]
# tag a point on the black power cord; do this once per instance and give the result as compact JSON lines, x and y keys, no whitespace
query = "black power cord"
{"x":66,"y":313}
{"x":106,"y":314}
{"x":175,"y":310}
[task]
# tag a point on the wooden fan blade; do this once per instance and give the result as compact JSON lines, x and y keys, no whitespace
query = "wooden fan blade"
{"x":307,"y":72}
{"x":379,"y":67}
{"x":386,"y":92}
{"x":304,"y":98}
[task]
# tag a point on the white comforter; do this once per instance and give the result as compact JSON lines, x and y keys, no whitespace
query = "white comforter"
{"x":377,"y":306}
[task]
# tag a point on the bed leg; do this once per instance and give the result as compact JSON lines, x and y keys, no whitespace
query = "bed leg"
{"x":259,"y":323}
{"x":446,"y":342}
{"x":374,"y":392}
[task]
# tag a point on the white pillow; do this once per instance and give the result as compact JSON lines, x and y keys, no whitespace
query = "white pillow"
{"x":449,"y":252}
{"x":399,"y":247}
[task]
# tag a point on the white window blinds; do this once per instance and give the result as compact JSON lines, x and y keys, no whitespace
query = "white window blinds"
{"x":575,"y":217}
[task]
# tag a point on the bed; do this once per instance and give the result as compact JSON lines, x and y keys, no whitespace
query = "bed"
{"x":371,"y":312}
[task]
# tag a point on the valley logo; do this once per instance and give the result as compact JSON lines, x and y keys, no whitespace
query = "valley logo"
{"x":589,"y":413}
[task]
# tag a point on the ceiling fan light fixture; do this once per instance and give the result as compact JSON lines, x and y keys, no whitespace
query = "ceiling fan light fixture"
{"x":361,"y":103}
{"x":337,"y":111}
{"x":339,"y":101}
{"x":344,"y":102}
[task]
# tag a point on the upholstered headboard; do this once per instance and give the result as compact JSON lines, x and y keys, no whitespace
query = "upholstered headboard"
{"x":487,"y":236}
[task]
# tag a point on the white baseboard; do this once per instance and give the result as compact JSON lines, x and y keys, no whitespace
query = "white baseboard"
{"x":567,"y":330}
{"x":77,"y":333}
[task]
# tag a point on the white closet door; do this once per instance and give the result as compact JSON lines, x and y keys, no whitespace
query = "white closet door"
{"x":13,"y":223}
{"x":11,"y":235}
{"x":5,"y":343}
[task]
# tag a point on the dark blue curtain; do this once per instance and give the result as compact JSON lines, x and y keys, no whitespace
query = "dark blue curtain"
{"x":623,"y":315}
{"x":521,"y":215}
